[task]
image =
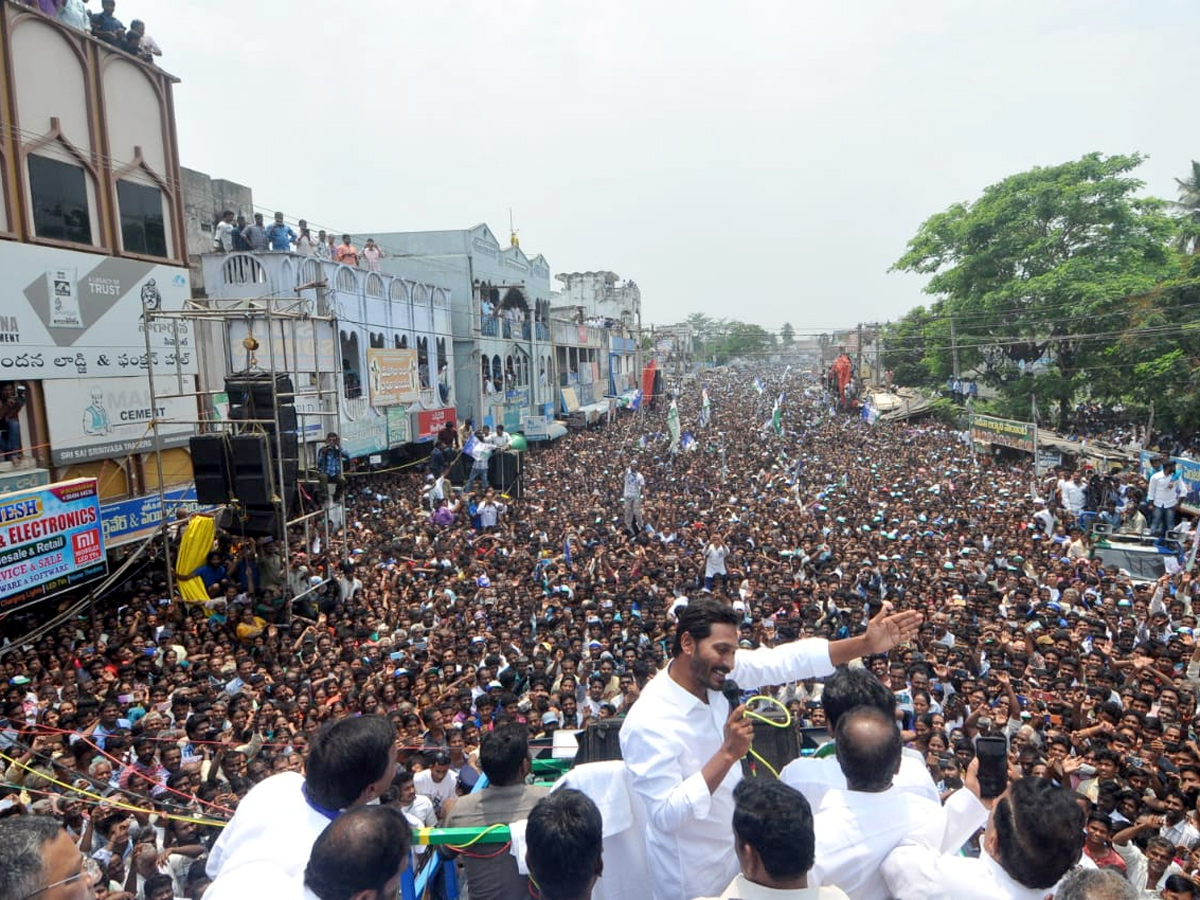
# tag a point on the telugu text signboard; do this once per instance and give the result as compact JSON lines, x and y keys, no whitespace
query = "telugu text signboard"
{"x":65,"y":314}
{"x":1004,"y":432}
{"x":135,"y":519}
{"x":50,"y":540}
{"x":392,"y":377}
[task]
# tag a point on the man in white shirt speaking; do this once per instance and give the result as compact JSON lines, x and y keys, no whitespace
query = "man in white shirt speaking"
{"x":682,"y":743}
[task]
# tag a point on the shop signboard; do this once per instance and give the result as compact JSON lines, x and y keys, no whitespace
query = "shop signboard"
{"x":50,"y":540}
{"x":392,"y":377}
{"x":113,"y":417}
{"x":67,"y":315}
{"x":1004,"y":432}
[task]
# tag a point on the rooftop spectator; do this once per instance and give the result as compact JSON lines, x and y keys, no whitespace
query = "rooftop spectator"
{"x":280,"y":236}
{"x":147,"y":46}
{"x":346,"y":253}
{"x":224,"y":233}
{"x":107,"y":26}
{"x":372,"y":253}
{"x":256,"y":235}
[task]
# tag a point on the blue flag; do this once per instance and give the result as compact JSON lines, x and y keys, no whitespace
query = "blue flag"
{"x":758,"y":384}
{"x":567,"y":549}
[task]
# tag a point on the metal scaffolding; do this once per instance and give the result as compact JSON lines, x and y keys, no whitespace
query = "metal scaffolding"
{"x":279,"y":317}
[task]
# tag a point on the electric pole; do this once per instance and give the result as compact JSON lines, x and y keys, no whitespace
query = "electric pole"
{"x":954,"y":347}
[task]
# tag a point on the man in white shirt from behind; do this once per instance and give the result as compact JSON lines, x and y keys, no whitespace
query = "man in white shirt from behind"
{"x":1034,"y":836}
{"x":350,"y":763}
{"x":858,"y":827}
{"x":848,"y":687}
{"x":682,"y":744}
{"x":773,"y":840}
{"x":360,"y":855}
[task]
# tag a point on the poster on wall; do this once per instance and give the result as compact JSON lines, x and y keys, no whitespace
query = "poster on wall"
{"x":392,"y":377}
{"x":65,"y":314}
{"x":113,"y":417}
{"x":50,"y":540}
{"x":64,"y":299}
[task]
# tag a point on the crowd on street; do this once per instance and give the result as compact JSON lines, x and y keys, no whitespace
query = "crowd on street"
{"x":458,"y":615}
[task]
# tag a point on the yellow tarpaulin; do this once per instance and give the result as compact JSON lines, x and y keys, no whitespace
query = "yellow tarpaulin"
{"x":193,"y":551}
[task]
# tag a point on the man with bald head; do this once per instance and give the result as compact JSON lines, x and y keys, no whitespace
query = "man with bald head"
{"x":858,"y":827}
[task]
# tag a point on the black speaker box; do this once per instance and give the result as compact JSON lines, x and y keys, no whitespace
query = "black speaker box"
{"x":251,"y":469}
{"x":461,"y":470}
{"x":504,"y":473}
{"x":599,"y":741}
{"x":776,"y":743}
{"x":260,"y":521}
{"x":210,"y":468}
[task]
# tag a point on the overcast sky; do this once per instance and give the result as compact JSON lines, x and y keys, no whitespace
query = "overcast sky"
{"x":763,"y":161}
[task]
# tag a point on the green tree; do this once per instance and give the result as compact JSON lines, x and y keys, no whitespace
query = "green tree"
{"x":905,"y":348}
{"x":787,"y":335}
{"x":741,"y":339}
{"x":1038,"y":268}
{"x":1188,"y":207}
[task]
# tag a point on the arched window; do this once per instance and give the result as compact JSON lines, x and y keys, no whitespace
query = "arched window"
{"x":240,"y":268}
{"x":346,"y":280}
{"x":352,"y":366}
{"x":377,"y":341}
{"x":423,"y":360}
{"x":497,"y":372}
{"x":375,"y":286}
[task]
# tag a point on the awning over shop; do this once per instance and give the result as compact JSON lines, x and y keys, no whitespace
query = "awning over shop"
{"x":593,"y":411}
{"x":554,"y":430}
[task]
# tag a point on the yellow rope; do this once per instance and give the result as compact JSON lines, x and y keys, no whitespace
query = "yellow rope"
{"x":116,"y":805}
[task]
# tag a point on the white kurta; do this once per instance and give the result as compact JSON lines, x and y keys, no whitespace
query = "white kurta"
{"x":667,"y":738}
{"x":856,"y":831}
{"x":915,"y":872}
{"x":815,"y":778}
{"x":273,"y":824}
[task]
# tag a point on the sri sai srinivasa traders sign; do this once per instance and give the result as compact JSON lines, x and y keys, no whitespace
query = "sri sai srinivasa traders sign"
{"x":1004,"y":432}
{"x":50,"y":540}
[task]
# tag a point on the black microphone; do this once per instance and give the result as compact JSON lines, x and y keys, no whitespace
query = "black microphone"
{"x":732,"y":693}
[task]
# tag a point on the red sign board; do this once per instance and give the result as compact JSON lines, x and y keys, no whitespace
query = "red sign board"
{"x":430,"y":422}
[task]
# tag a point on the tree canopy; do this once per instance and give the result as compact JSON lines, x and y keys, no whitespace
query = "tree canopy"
{"x":1038,"y":276}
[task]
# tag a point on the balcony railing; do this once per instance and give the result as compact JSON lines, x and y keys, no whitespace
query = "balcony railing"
{"x":245,"y":275}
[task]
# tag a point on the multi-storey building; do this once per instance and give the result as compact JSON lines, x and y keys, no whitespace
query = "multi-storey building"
{"x":91,"y":235}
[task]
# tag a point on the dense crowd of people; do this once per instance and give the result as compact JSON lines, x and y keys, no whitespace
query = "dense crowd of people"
{"x":144,"y":727}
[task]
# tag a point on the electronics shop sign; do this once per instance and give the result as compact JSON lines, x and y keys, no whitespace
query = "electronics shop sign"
{"x":50,"y":540}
